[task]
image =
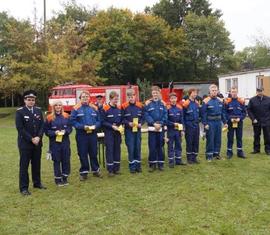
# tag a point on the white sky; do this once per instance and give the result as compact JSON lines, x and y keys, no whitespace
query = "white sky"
{"x":245,"y":19}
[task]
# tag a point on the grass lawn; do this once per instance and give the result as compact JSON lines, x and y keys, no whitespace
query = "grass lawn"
{"x":222,"y":197}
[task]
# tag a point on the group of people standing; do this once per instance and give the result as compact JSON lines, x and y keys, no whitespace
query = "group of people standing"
{"x":166,"y":123}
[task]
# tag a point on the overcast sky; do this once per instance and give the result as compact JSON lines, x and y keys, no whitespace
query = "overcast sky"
{"x":244,"y":19}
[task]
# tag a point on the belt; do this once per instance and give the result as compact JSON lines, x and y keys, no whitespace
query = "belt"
{"x":214,"y":117}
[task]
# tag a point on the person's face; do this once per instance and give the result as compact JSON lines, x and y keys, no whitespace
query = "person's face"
{"x":155,"y":95}
{"x":132,"y":98}
{"x":173,"y":100}
{"x":58,"y":107}
{"x":213,"y":92}
{"x":30,"y":101}
{"x":193,"y":95}
{"x":114,"y":100}
{"x":85,"y":98}
{"x":99,"y":100}
{"x":259,"y":93}
{"x":234,"y":93}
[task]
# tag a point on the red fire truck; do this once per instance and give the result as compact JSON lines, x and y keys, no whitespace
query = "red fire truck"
{"x":69,"y":94}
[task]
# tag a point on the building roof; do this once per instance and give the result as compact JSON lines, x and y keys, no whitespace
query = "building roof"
{"x":245,"y":72}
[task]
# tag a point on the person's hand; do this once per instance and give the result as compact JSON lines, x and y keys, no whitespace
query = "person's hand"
{"x":206,"y":127}
{"x":182,"y":133}
{"x":86,"y":128}
{"x":63,"y":131}
{"x":238,"y":119}
{"x":139,"y":125}
{"x":157,"y":126}
{"x":57,"y":132}
{"x":93,"y":127}
{"x":226,"y":125}
{"x":131,"y":124}
{"x":175,"y":124}
{"x":114,"y":127}
{"x":255,"y":121}
{"x":232,"y":120}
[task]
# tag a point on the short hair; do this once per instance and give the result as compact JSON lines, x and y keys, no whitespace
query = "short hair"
{"x":130,"y":92}
{"x":213,"y":86}
{"x":113,"y":94}
{"x":155,"y":88}
{"x":192,"y":90}
{"x":84,"y":92}
{"x":172,"y":94}
{"x":234,"y":88}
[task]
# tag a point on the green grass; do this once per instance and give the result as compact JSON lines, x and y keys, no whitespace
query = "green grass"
{"x":223,"y":197}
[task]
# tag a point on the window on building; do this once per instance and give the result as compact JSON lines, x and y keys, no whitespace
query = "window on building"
{"x":228,"y":85}
{"x":234,"y":82}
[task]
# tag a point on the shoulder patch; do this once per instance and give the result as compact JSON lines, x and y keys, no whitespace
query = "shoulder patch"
{"x":241,"y":101}
{"x":77,"y":106}
{"x":93,"y":106}
{"x":125,"y":105}
{"x":228,"y":100}
{"x":186,"y":103}
{"x":139,"y":104}
{"x":106,"y":107}
{"x":65,"y":115}
{"x":179,"y":106}
{"x":220,"y":99}
{"x":50,"y":117}
{"x":148,"y":101}
{"x":206,"y":100}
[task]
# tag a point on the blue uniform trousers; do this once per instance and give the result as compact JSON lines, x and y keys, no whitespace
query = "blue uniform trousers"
{"x":230,"y":136}
{"x":174,"y":146}
{"x":61,"y":160}
{"x":87,"y":148}
{"x":155,"y":144}
{"x":133,"y":142}
{"x":192,"y":136}
{"x":113,"y":150}
{"x":28,"y":155}
{"x":213,"y":139}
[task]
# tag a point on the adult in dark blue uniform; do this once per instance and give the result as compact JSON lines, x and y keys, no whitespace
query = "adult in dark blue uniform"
{"x":191,"y":110}
{"x":111,"y":122}
{"x":213,"y":114}
{"x":155,"y":114}
{"x":29,"y":124}
{"x":86,"y":120}
{"x":175,"y":125}
{"x":235,"y":113}
{"x":132,"y":113}
{"x":99,"y":102}
{"x":58,"y":127}
{"x":259,"y":113}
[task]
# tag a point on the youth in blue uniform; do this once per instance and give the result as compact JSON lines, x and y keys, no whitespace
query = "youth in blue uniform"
{"x":213,"y":114}
{"x":191,"y":110}
{"x":155,"y":114}
{"x":132,"y":111}
{"x":175,"y":125}
{"x":235,"y":113}
{"x":86,"y":120}
{"x":111,"y":121}
{"x":29,"y":124}
{"x":58,"y":127}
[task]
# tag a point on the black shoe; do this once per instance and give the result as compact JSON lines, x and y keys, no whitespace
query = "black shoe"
{"x":229,"y":154}
{"x":117,"y":172}
{"x":25,"y":192}
{"x":255,"y":152}
{"x":98,"y":174}
{"x":171,"y":165}
{"x":139,"y":170}
{"x":132,"y":171}
{"x":180,"y":163}
{"x":65,"y":181}
{"x":267,"y":153}
{"x":196,"y":161}
{"x":161,"y":168}
{"x":83,"y":177}
{"x":60,"y":184}
{"x":241,"y":155}
{"x":152,"y":168}
{"x":41,"y":186}
{"x":111,"y":174}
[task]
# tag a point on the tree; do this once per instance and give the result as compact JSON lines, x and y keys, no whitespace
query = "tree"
{"x":135,"y":46}
{"x":174,"y":11}
{"x":210,"y":49}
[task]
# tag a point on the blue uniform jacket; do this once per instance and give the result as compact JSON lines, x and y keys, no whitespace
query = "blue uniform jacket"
{"x":61,"y":122}
{"x":29,"y":125}
{"x":213,"y":109}
{"x":155,"y":112}
{"x":191,"y":111}
{"x":130,"y":111}
{"x":235,"y":108}
{"x":175,"y":115}
{"x":111,"y":115}
{"x":85,"y":115}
